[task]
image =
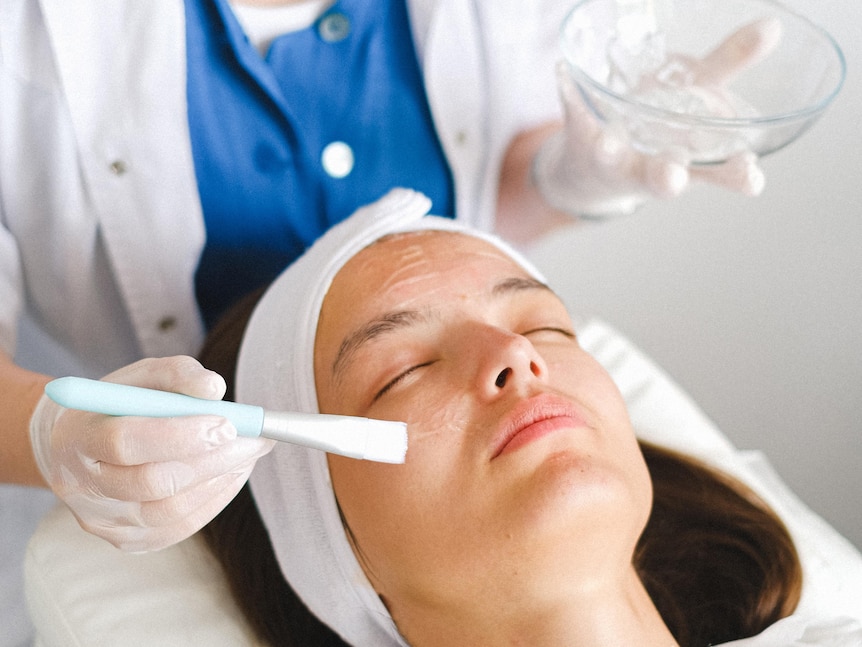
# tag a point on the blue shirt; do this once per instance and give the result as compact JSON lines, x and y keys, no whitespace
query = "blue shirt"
{"x":285,"y":147}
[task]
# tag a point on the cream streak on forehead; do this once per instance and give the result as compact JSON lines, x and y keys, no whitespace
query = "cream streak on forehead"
{"x":421,"y":257}
{"x":413,"y":259}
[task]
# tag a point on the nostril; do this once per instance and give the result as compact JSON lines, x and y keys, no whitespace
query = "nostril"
{"x":534,"y":369}
{"x":500,"y":382}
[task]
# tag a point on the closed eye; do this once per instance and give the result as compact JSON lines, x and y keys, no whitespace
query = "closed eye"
{"x":397,"y":379}
{"x":551,"y":329}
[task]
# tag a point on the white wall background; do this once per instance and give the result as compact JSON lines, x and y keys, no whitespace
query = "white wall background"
{"x":754,"y":305}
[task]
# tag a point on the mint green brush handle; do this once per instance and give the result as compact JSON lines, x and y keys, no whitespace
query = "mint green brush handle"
{"x":124,"y":400}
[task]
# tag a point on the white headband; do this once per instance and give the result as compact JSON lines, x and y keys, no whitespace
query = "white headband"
{"x":291,"y":485}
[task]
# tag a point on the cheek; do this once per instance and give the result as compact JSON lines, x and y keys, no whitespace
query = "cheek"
{"x":397,"y":512}
{"x":435,"y":429}
{"x":371,"y":497}
{"x":366,"y":490}
{"x":393,"y":515}
{"x":437,"y":408}
{"x":591,"y":384}
{"x":387,"y":494}
{"x":582,"y":377}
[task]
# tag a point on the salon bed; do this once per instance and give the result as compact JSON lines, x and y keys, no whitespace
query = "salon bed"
{"x":82,"y":591}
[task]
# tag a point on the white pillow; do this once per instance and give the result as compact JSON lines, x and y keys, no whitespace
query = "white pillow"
{"x":83,"y":591}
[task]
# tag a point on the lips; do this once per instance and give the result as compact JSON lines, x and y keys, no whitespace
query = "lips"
{"x":533,"y":419}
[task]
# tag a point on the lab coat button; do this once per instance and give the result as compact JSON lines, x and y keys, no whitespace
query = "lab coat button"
{"x":334,"y":27}
{"x":167,"y":324}
{"x":118,"y":167}
{"x":337,"y":160}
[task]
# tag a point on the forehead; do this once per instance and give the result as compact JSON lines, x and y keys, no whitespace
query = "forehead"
{"x":414,"y":271}
{"x":398,"y":262}
{"x":414,"y":251}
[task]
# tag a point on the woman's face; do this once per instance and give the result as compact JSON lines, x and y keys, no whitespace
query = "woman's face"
{"x":521,"y":464}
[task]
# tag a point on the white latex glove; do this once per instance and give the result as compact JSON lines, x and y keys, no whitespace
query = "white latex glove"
{"x":145,"y":483}
{"x":589,"y":169}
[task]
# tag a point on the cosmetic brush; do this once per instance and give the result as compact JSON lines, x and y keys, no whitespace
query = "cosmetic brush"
{"x":375,"y":440}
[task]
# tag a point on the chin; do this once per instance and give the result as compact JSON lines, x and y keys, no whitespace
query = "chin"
{"x":571,"y":498}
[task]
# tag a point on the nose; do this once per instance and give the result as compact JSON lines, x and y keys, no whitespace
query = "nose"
{"x":507,"y":361}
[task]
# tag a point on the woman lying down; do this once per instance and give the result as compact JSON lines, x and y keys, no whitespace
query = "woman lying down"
{"x":526,"y":512}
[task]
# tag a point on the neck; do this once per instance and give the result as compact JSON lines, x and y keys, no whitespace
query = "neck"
{"x":622,"y":614}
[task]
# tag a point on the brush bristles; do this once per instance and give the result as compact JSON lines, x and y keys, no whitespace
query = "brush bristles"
{"x":386,"y":442}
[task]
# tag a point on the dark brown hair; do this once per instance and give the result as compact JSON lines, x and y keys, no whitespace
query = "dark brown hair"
{"x":717,"y":562}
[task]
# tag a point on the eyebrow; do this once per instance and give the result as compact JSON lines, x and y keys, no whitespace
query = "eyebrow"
{"x":518,"y":284}
{"x":399,"y":320}
{"x":388,"y":323}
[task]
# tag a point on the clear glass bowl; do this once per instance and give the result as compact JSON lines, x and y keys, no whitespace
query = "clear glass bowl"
{"x":638,"y":65}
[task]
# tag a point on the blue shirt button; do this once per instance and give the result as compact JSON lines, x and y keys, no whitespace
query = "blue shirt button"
{"x":334,"y":27}
{"x":337,"y":160}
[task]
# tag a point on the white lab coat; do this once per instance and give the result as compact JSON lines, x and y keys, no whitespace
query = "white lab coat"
{"x":101,"y":220}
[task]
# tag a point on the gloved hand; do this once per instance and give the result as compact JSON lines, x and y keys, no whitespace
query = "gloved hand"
{"x":145,"y":483}
{"x":590,"y":169}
